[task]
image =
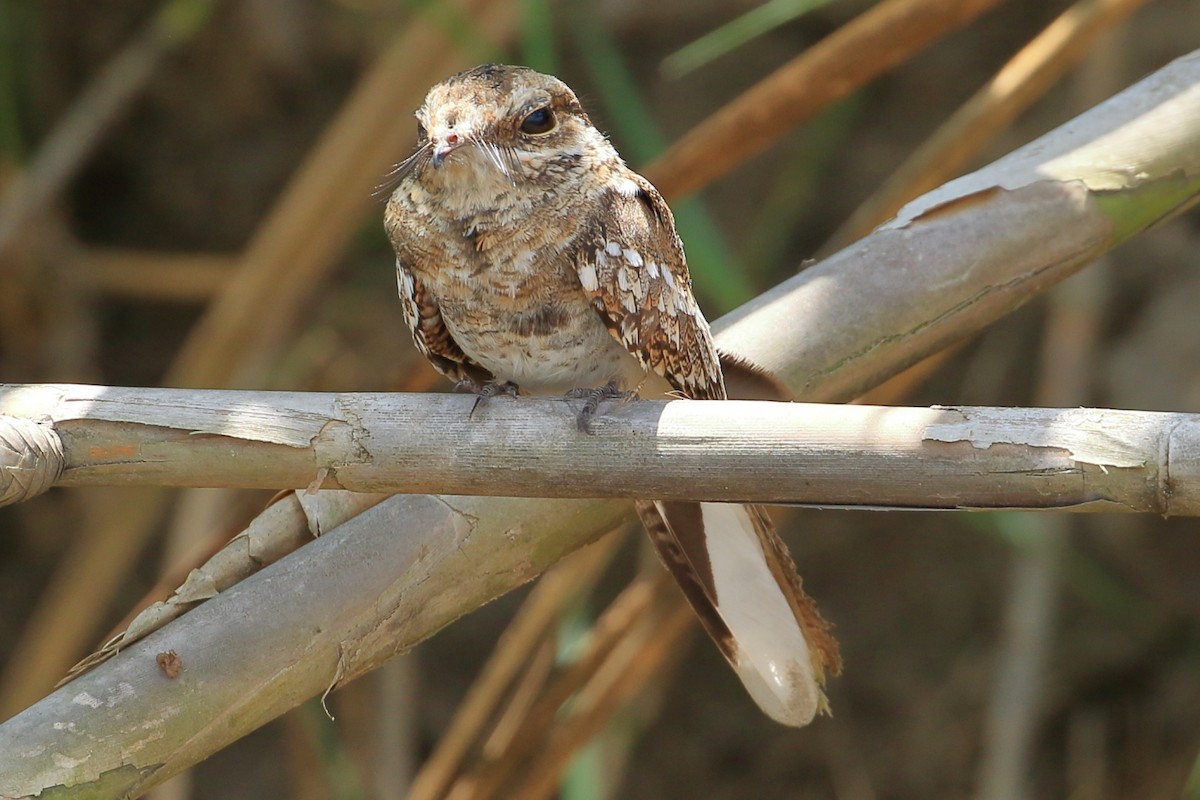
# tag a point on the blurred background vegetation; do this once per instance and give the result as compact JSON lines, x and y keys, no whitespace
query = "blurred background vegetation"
{"x":164,"y":162}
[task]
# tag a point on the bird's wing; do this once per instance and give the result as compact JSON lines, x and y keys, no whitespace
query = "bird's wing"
{"x":631,"y":265}
{"x":429,"y":331}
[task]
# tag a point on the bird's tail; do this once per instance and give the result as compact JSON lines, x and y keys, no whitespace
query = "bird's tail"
{"x":740,"y":580}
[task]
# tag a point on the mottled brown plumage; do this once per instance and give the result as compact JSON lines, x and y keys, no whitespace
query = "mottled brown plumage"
{"x":496,"y":240}
{"x":528,"y":253}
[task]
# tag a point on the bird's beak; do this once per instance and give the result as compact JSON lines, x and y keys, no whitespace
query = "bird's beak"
{"x":444,"y":146}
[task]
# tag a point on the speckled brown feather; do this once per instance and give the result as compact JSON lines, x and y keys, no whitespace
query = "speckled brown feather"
{"x":632,"y":267}
{"x":429,"y":332}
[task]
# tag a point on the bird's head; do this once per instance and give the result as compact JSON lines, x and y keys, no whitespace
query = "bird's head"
{"x":498,"y":128}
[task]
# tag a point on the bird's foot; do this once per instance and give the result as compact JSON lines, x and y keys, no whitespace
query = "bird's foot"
{"x":593,"y":398}
{"x":490,"y":389}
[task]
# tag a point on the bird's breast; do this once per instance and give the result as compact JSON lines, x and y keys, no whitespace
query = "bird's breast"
{"x":509,"y":293}
{"x":521,"y":312}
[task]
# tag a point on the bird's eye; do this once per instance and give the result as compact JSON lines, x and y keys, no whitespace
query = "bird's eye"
{"x":422,"y":134}
{"x":540,"y":121}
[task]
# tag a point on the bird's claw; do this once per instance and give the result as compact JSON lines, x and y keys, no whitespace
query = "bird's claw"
{"x":507,"y":389}
{"x":593,"y":398}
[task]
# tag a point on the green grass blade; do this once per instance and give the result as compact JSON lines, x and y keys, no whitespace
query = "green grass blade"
{"x":734,"y":34}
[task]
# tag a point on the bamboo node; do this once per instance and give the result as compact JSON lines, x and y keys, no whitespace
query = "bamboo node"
{"x":31,"y":459}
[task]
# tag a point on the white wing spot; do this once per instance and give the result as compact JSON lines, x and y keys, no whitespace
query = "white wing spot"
{"x":668,"y":278}
{"x":627,"y":188}
{"x":613,"y":249}
{"x":652,"y":269}
{"x":587,"y":277}
{"x":633,"y":257}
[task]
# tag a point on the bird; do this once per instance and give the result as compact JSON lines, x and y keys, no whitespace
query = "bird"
{"x":531,"y":259}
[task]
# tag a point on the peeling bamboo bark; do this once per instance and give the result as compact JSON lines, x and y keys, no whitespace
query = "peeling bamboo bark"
{"x":738,"y":451}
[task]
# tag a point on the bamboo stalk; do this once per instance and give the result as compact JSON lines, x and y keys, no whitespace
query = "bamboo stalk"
{"x":795,"y":453}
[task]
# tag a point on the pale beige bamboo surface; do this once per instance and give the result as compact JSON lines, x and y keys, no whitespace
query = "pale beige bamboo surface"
{"x":798,"y":453}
